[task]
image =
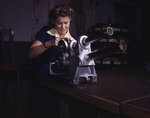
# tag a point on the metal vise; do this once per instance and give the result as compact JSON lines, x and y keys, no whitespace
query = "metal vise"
{"x":76,"y":59}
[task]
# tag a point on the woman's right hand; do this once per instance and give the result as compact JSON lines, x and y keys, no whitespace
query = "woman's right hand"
{"x":53,"y":42}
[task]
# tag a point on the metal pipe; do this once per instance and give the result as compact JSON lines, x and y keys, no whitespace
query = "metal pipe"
{"x":106,"y":32}
{"x":107,"y":50}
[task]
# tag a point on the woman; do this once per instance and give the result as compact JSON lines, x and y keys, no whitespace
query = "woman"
{"x":44,"y":101}
{"x":45,"y":46}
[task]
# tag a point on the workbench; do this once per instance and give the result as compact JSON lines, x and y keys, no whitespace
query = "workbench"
{"x":120,"y":91}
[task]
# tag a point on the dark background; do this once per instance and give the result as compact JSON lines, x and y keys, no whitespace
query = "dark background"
{"x":27,"y":17}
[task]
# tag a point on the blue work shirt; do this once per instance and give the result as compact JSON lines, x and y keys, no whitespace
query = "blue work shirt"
{"x":50,"y":55}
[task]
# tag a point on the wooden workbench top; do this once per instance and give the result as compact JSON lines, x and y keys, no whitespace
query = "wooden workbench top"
{"x":115,"y":87}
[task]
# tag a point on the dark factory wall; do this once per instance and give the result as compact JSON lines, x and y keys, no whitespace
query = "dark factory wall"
{"x":26,"y":17}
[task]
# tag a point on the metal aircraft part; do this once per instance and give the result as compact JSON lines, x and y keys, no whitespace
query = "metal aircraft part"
{"x":77,"y":57}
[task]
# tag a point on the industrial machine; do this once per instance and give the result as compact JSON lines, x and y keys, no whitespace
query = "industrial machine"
{"x":76,"y":58}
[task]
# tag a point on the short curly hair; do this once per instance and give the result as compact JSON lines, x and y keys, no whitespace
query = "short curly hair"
{"x":60,"y":10}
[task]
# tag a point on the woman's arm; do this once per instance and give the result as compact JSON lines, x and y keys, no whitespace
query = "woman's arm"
{"x":37,"y":48}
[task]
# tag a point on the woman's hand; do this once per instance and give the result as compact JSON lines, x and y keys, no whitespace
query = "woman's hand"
{"x":53,"y":42}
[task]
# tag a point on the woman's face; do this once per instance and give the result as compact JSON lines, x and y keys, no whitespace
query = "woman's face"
{"x":62,"y":25}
